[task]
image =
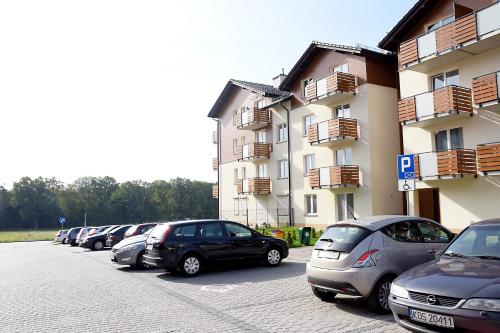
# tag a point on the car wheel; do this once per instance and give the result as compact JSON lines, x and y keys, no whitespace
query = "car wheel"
{"x":63,"y":241}
{"x":140,"y":264}
{"x":191,"y":265}
{"x":379,"y":298}
{"x":324,"y":295}
{"x":273,"y":257}
{"x":98,"y":245}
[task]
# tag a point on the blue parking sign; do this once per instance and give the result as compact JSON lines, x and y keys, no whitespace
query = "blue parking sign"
{"x":62,"y":220}
{"x":406,"y":167}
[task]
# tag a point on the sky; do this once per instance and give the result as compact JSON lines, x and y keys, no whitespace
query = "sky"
{"x":122,"y":88}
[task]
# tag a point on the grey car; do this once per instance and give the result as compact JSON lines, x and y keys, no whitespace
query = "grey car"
{"x":362,"y":257}
{"x":130,"y":251}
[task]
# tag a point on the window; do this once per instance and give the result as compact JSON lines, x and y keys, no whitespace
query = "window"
{"x":402,"y":232}
{"x":262,"y":136}
{"x":262,"y":170}
{"x":345,"y":206}
{"x":243,"y":173}
{"x":261,"y":103}
{"x":449,"y":139}
{"x":211,"y":230}
{"x":235,"y":173}
{"x":243,"y":206}
{"x":304,"y":85}
{"x":185,"y":230}
{"x":311,"y":206}
{"x":243,"y":140}
{"x":306,"y":121}
{"x":237,"y":231}
{"x":440,"y":23}
{"x":344,"y":156}
{"x":236,"y":207}
{"x":309,"y":163}
{"x":282,"y":133}
{"x":432,"y":233}
{"x":282,"y":169}
{"x":235,"y":145}
{"x":343,"y":111}
{"x":235,"y":117}
{"x":445,"y":79}
{"x":343,"y":238}
{"x":344,"y":68}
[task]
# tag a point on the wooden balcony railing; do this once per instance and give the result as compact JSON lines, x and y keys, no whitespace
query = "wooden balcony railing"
{"x":252,"y":119}
{"x":214,"y":137}
{"x":255,"y":186}
{"x":488,"y":157}
{"x":215,"y":191}
{"x":486,"y":89}
{"x":253,"y":151}
{"x":450,"y":99}
{"x":215,"y":164}
{"x":334,"y":83}
{"x":334,"y":176}
{"x":333,"y":130}
{"x":454,"y":35}
{"x":448,"y":163}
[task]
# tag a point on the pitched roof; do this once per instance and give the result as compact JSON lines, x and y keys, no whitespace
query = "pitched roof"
{"x":314,"y":48}
{"x":260,"y":88}
{"x":415,"y":14}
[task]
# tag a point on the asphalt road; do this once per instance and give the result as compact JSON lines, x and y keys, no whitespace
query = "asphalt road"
{"x":57,"y":288}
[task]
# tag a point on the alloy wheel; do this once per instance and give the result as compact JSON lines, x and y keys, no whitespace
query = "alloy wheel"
{"x":98,"y":245}
{"x":191,"y":265}
{"x":383,"y":295}
{"x":273,"y":257}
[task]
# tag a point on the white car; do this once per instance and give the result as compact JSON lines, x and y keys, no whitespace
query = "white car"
{"x":61,"y":236}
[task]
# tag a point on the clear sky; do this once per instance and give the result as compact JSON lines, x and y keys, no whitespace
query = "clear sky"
{"x":122,"y":88}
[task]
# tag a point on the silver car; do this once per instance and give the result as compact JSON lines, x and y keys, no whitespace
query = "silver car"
{"x":130,"y":251}
{"x":362,"y":257}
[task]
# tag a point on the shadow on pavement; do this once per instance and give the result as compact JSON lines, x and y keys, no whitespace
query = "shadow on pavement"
{"x":359,"y":307}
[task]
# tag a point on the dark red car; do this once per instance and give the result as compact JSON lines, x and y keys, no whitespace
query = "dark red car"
{"x":139,"y":229}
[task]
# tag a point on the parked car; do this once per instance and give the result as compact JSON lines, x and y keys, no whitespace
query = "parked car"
{"x":61,"y":236}
{"x":71,"y":237}
{"x":116,"y":235}
{"x":97,"y":230}
{"x":457,"y":291}
{"x":188,"y":246}
{"x":97,"y":241}
{"x":130,"y":251}
{"x":81,"y":234}
{"x":362,"y":257}
{"x":139,"y":229}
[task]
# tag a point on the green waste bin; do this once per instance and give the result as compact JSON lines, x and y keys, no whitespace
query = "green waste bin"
{"x":305,"y":235}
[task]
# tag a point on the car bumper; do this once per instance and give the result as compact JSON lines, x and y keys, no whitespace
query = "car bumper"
{"x":463,"y":319}
{"x":124,"y":258}
{"x":354,"y":281}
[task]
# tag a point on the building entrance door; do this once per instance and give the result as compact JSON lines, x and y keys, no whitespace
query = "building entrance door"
{"x":428,"y":204}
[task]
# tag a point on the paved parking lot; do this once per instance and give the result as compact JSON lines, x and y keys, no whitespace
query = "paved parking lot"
{"x":49,"y":288}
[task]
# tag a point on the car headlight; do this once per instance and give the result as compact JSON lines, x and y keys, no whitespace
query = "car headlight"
{"x":399,"y":291}
{"x":482,"y":304}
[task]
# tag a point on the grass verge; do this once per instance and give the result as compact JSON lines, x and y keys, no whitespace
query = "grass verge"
{"x":9,"y":236}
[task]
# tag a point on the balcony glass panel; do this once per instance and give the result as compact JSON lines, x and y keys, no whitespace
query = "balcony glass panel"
{"x":324,"y":176}
{"x":424,"y":104}
{"x":488,"y":20}
{"x":427,"y":45}
{"x":428,"y":165}
{"x":245,"y":153}
{"x":321,"y":87}
{"x":323,"y":131}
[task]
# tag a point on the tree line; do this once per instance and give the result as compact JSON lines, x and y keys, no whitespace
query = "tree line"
{"x":39,"y":202}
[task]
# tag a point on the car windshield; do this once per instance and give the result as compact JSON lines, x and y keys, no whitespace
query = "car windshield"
{"x":344,"y":238}
{"x":477,"y":241}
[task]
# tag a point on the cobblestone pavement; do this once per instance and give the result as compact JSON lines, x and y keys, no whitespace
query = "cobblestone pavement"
{"x":56,"y":288}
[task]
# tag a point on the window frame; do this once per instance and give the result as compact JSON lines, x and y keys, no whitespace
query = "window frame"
{"x":345,"y":209}
{"x":311,"y":205}
{"x":445,"y":76}
{"x":282,"y":133}
{"x":312,"y":164}
{"x":448,"y":138}
{"x":306,"y":124}
{"x":285,"y":168}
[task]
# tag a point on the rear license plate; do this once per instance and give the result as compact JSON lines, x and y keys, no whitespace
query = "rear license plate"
{"x":149,"y":247}
{"x":431,"y":318}
{"x":328,"y":254}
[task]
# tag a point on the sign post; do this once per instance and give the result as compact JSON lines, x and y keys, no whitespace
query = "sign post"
{"x":406,"y":176}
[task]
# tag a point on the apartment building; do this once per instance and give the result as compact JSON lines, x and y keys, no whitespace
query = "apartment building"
{"x":316,"y":147}
{"x":449,"y":63}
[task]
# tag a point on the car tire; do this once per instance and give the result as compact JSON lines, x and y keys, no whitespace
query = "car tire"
{"x":378,"y":300}
{"x":73,"y":244}
{"x":97,"y":246}
{"x":273,"y":257}
{"x":324,"y":295}
{"x":63,"y":241}
{"x":140,"y":264}
{"x":191,"y":265}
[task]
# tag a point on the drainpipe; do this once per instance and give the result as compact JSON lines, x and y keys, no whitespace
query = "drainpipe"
{"x":290,"y":209}
{"x":218,"y":169}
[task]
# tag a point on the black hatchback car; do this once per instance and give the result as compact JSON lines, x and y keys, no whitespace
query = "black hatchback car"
{"x":188,"y":246}
{"x":116,"y":235}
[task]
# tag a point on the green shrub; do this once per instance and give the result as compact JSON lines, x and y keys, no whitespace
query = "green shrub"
{"x":313,"y":233}
{"x":289,"y":238}
{"x":256,"y":226}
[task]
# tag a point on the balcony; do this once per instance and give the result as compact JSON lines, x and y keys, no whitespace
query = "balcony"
{"x":435,"y":106}
{"x":214,"y":137}
{"x":486,"y":91}
{"x":252,"y":119}
{"x":254,"y":186}
{"x":215,"y":191}
{"x":253,"y":151}
{"x":333,"y":131}
{"x":215,"y":164}
{"x":448,"y":164}
{"x":338,"y":176}
{"x":467,"y":36}
{"x":333,"y":87}
{"x":488,"y":158}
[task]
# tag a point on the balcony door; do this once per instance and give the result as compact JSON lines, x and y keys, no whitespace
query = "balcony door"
{"x":245,"y":115}
{"x":344,"y":156}
{"x":261,"y":136}
{"x":262,"y":171}
{"x":343,"y":111}
{"x":449,"y":139}
{"x":451,"y":78}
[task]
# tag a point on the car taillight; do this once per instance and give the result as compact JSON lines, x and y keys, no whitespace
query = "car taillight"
{"x":365,"y":260}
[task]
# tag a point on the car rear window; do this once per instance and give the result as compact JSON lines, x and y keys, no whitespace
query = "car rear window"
{"x":185,"y":230}
{"x":159,"y":231}
{"x":342,"y":238}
